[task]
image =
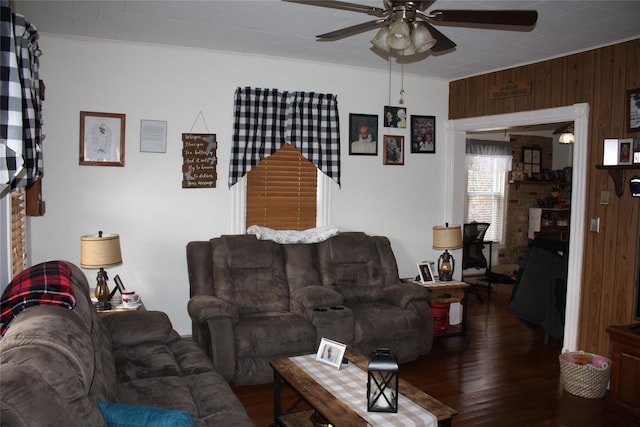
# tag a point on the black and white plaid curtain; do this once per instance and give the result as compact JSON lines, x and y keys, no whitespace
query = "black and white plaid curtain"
{"x":20,"y":130}
{"x":266,"y":119}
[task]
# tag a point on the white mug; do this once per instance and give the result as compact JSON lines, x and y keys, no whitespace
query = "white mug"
{"x":130,"y":298}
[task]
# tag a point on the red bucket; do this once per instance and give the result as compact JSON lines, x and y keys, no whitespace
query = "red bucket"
{"x":440,"y":314}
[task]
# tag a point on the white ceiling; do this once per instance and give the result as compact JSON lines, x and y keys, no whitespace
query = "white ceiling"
{"x":282,"y":29}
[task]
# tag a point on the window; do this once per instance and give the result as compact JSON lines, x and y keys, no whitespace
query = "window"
{"x":282,"y":192}
{"x":486,"y":201}
{"x":488,"y":163}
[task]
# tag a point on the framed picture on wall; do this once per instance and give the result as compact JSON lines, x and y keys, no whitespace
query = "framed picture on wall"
{"x":633,"y":110}
{"x":423,"y":134}
{"x":153,"y":136}
{"x":395,"y":117}
{"x":363,"y":134}
{"x":532,"y":161}
{"x":393,"y":150}
{"x":102,"y":139}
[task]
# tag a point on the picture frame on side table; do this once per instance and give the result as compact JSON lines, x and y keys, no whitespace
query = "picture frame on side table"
{"x":363,"y":134}
{"x":393,"y":153}
{"x":425,"y":271}
{"x":633,"y":110}
{"x":102,"y":139}
{"x":331,"y":352}
{"x":423,"y":134}
{"x":119,"y":287}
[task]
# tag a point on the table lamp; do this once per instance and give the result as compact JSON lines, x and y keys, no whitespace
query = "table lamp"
{"x":100,"y":251}
{"x":445,"y":237}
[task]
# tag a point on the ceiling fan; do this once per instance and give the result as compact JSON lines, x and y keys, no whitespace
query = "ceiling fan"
{"x":406,"y":26}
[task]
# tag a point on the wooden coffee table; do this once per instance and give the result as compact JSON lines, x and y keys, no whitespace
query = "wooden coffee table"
{"x":336,"y":411}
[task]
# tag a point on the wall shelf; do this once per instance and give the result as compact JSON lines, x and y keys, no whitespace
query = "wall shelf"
{"x":617,"y":173}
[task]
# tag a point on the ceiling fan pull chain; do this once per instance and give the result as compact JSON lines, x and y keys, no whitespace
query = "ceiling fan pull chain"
{"x":389,"y":103}
{"x":401,"y":84}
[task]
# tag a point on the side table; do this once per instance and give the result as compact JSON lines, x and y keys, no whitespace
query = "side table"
{"x":119,"y":308}
{"x":448,"y":292}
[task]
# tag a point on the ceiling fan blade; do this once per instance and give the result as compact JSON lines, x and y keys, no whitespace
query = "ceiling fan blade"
{"x":524,"y":18}
{"x":343,"y":5}
{"x":349,"y":31}
{"x":442,"y":42}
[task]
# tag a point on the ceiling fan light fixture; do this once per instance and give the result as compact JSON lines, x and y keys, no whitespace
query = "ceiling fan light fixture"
{"x":380,"y":40}
{"x":409,"y":51}
{"x":567,"y":138}
{"x":421,"y":38}
{"x":399,"y":35}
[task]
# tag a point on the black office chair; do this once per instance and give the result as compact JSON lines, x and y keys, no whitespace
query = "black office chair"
{"x":472,"y":255}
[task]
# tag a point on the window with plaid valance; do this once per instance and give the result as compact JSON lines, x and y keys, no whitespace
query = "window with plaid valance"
{"x":267,"y":119}
{"x":20,"y":130}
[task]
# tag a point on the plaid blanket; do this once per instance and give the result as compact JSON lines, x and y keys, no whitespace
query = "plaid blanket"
{"x":48,"y":283}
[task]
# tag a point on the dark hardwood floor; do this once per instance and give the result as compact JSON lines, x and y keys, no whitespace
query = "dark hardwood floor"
{"x":506,"y":376}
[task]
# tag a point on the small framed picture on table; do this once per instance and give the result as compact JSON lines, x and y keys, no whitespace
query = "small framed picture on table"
{"x":425,"y":272}
{"x":331,"y":352}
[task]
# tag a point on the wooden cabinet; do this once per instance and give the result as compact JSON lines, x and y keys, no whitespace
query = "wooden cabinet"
{"x":623,"y":403}
{"x":550,"y":223}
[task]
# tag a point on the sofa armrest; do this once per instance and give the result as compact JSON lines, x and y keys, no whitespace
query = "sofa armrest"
{"x":311,"y":297}
{"x":213,"y":330}
{"x":137,"y":327}
{"x":401,"y":295}
{"x":204,"y":307}
{"x":415,"y":298}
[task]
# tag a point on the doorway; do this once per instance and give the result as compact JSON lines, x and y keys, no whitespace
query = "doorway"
{"x":455,"y":188}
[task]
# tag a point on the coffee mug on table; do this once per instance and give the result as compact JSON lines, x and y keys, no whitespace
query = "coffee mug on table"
{"x":130,"y":299}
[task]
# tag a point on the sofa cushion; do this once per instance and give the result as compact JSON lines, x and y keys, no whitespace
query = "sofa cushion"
{"x":150,"y":360}
{"x":301,"y":266}
{"x":269,"y":334}
{"x":46,"y":283}
{"x":170,"y":392}
{"x":349,"y":263}
{"x":374,"y":322}
{"x":132,"y":328}
{"x":249,"y":273}
{"x":315,"y":296}
{"x":123,"y":415}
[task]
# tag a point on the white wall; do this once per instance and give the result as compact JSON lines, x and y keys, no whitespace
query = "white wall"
{"x":144,"y":201}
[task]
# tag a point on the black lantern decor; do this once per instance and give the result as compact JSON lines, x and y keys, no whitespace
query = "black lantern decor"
{"x":382,"y":382}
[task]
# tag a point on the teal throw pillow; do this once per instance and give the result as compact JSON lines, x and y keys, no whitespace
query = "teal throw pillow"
{"x":123,"y":415}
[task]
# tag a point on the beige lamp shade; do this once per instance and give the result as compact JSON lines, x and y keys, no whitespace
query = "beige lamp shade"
{"x":445,"y":237}
{"x":100,"y":250}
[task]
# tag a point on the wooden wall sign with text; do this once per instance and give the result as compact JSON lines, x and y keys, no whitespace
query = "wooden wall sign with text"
{"x":510,"y":89}
{"x":199,"y":160}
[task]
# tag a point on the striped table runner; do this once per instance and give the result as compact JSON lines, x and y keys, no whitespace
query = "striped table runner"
{"x":349,"y":384}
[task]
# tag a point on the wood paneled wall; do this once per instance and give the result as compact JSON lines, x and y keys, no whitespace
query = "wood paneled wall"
{"x":601,"y":78}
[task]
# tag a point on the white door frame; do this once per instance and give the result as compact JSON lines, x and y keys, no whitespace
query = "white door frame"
{"x":455,"y":187}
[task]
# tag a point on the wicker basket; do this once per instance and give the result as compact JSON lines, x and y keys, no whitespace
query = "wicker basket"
{"x":584,"y":380}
